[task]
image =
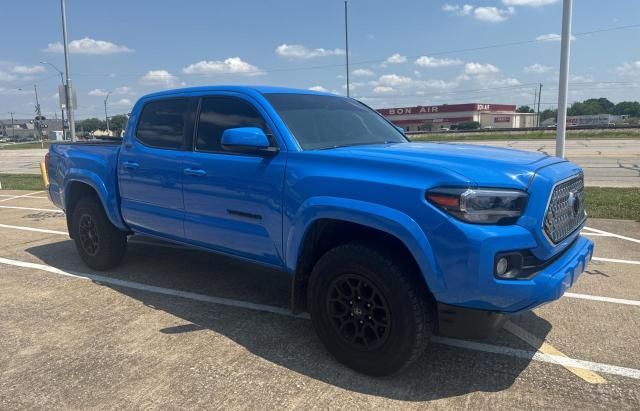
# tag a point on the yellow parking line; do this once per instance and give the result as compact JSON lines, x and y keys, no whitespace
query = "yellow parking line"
{"x":546,"y":348}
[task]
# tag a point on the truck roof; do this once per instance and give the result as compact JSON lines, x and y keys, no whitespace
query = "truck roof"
{"x":236,"y":88}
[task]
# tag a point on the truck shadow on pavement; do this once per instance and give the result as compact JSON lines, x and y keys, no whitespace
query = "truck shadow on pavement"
{"x":288,"y":342}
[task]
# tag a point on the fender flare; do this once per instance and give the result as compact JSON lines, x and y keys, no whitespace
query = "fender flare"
{"x":108,"y":198}
{"x":385,"y":219}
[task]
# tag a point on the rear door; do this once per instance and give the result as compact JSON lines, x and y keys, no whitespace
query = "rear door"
{"x":150,"y":168}
{"x":233,"y":201}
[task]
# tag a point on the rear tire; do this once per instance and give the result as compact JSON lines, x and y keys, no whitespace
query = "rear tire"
{"x":368,"y":309}
{"x":100,"y":244}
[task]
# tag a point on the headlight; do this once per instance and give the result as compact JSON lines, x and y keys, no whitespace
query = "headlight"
{"x":480,"y":206}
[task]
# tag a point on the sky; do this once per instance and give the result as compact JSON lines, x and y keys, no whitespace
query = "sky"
{"x":402,"y":53}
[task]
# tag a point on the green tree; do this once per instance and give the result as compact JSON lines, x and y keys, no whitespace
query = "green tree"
{"x":117,"y":123}
{"x":468,"y":125}
{"x":525,"y":109}
{"x":629,"y":108}
{"x":548,"y":113}
{"x":91,"y":124}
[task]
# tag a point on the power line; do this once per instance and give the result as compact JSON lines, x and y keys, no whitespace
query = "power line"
{"x":380,"y":60}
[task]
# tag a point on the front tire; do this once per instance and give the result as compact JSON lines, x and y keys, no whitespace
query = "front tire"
{"x":368,"y":310}
{"x":100,"y":244}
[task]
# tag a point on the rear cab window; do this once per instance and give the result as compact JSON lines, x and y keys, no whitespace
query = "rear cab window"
{"x":163,"y":122}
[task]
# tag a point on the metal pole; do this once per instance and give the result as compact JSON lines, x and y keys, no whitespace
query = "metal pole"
{"x":67,"y":66}
{"x":539,"y":97}
{"x":563,"y":91}
{"x":106,"y":117}
{"x":64,"y":137}
{"x":346,"y":42}
{"x":38,"y":124}
{"x":13,"y":129}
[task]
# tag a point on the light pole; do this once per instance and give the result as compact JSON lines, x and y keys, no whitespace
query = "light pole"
{"x":106,"y":116}
{"x":67,"y":66}
{"x":64,"y":137}
{"x":565,"y":52}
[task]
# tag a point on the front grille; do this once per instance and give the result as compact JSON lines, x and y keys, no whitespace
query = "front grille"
{"x":565,"y":211}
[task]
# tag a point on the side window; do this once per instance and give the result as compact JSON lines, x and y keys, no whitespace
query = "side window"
{"x":220,"y":113}
{"x":162,"y":123}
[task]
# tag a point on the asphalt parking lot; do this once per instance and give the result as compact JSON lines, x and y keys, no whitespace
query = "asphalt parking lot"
{"x":177,"y":328}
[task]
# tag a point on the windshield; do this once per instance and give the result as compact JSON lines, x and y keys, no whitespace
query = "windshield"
{"x":320,"y":122}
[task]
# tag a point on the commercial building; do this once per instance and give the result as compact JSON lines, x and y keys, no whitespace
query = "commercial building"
{"x":444,"y":116}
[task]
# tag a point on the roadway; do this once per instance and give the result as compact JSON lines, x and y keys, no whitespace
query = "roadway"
{"x":606,"y":162}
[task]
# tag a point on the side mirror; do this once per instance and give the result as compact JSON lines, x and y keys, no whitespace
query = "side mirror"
{"x":400,"y":129}
{"x":247,"y":140}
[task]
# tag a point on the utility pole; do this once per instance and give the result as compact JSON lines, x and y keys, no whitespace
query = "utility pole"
{"x":37,"y":123}
{"x":67,"y":66}
{"x":563,"y":91}
{"x":106,"y":116}
{"x":13,"y":129}
{"x":539,"y":97}
{"x":346,"y":42}
{"x":64,"y":136}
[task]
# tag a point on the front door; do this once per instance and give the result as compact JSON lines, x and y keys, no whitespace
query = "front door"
{"x":233,"y":201}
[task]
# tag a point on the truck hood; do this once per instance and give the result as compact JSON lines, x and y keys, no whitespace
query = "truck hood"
{"x":482,"y":165}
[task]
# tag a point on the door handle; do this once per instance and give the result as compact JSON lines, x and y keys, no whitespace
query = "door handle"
{"x":130,"y":164}
{"x":194,"y":172}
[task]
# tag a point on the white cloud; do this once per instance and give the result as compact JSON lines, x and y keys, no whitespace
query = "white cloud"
{"x":580,"y":78}
{"x":537,"y":68}
{"x":475,"y":69}
{"x":383,"y":90}
{"x":231,"y":65}
{"x":28,"y":69}
{"x":394,"y":80}
{"x":396,"y":59}
{"x":426,"y":61}
{"x":459,"y":10}
{"x":298,"y":51}
{"x":123,"y":102}
{"x":486,"y":14}
{"x":531,"y":3}
{"x":629,"y":69}
{"x":493,"y":14}
{"x":318,"y":88}
{"x":89,"y":46}
{"x":501,"y":82}
{"x":552,"y":37}
{"x":363,"y":72}
{"x":98,"y":92}
{"x":4,"y":76}
{"x":160,"y":78}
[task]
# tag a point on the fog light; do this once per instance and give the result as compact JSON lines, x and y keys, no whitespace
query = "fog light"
{"x":508,"y":265}
{"x":501,"y":266}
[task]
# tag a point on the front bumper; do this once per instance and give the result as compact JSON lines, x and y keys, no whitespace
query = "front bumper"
{"x":465,"y":258}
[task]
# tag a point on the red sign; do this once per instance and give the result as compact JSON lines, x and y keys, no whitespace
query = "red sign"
{"x":505,"y":119}
{"x":445,"y":108}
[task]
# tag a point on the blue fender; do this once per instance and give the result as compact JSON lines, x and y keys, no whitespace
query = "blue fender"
{"x":106,"y":193}
{"x":388,"y":220}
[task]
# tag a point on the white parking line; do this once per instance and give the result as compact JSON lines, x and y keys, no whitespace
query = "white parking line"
{"x":180,"y":247}
{"x":615,"y":260}
{"x":38,"y":230}
{"x":21,"y":196}
{"x":494,"y":349}
{"x":595,"y":230}
{"x":53,"y":210}
{"x":13,"y":196}
{"x":595,"y":234}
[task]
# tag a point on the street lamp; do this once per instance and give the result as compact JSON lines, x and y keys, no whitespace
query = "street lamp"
{"x":62,"y":82}
{"x":106,"y":116}
{"x":67,"y":66}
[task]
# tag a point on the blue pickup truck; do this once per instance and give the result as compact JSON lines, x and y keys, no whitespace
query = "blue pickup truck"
{"x":387,"y":241}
